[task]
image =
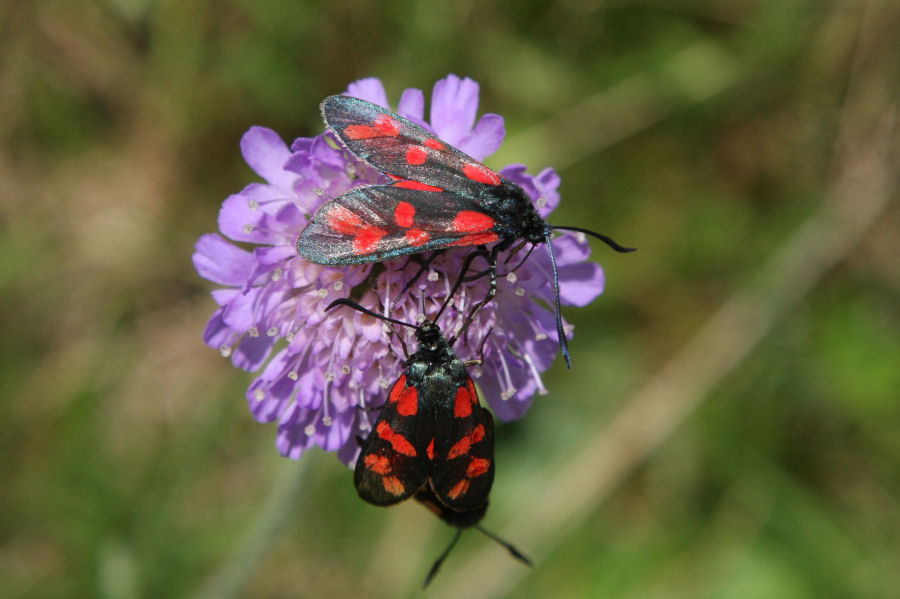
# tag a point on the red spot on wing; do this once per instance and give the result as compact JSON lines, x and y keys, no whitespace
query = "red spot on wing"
{"x":416,"y":155}
{"x":393,"y":485}
{"x":431,"y":449}
{"x":409,"y":184}
{"x":417,"y":237}
{"x":378,"y":464}
{"x":394,"y":177}
{"x":477,"y":434}
{"x":458,"y":489}
{"x":481,"y":174}
{"x":360,"y":132}
{"x":476,"y":239}
{"x":477,"y":467}
{"x":462,"y":406}
{"x":397,"y":441}
{"x":434,"y":144}
{"x":459,"y":448}
{"x":397,"y":389}
{"x":408,"y":402}
{"x":471,"y":387}
{"x":342,"y":220}
{"x":470,"y":221}
{"x":366,"y":239}
{"x":404,"y":214}
{"x":463,"y":446}
{"x":387,"y":125}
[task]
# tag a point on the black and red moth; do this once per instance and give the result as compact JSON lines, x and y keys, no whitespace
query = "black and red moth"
{"x":432,"y":433}
{"x":439,"y":198}
{"x":432,"y":440}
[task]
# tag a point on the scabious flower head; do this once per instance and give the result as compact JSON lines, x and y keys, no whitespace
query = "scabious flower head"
{"x":322,"y":373}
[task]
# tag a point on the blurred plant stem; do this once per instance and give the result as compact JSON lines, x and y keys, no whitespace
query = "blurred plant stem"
{"x":231,"y":576}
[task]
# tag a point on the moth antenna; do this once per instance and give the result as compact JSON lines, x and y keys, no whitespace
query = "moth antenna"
{"x":440,"y":560}
{"x":604,"y":238}
{"x":509,"y":546}
{"x":560,"y":332}
{"x":343,"y":301}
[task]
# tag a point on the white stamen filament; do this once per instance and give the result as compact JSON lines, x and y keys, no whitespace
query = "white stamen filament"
{"x":510,"y":388}
{"x":326,"y":400}
{"x":542,"y":390}
{"x":225,"y":351}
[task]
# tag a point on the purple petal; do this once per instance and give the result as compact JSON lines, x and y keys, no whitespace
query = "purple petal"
{"x":292,"y":439}
{"x":571,"y":248}
{"x":217,"y":334}
{"x":547,"y":182}
{"x":251,"y":352}
{"x":221,"y":262}
{"x":349,"y":453}
{"x":332,"y":437}
{"x":266,"y":154}
{"x":274,"y":254}
{"x":239,"y":313}
{"x":485,"y":138}
{"x":223,"y":296}
{"x":412,"y":105}
{"x":241,"y":217}
{"x":302,"y":144}
{"x":370,"y":89}
{"x":580,"y":284}
{"x":454,"y":105}
{"x":505,"y":410}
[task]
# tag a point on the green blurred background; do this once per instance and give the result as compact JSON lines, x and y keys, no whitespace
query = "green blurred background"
{"x":728,"y":430}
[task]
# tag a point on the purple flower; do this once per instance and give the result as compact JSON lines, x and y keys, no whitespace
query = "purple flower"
{"x":322,"y":371}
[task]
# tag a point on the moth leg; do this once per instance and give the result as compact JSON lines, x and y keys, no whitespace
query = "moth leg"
{"x":480,"y":360}
{"x":424,"y":266}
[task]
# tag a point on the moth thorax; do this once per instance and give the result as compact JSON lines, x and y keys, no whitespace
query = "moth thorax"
{"x":430,"y":339}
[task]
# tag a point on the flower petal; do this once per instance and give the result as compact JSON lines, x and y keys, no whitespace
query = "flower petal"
{"x":412,"y":105}
{"x":217,"y":334}
{"x":370,"y":89}
{"x":222,"y":262}
{"x":485,"y":138}
{"x":251,"y":352}
{"x":454,"y":105}
{"x":266,"y":153}
{"x":580,"y":284}
{"x":242,"y":217}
